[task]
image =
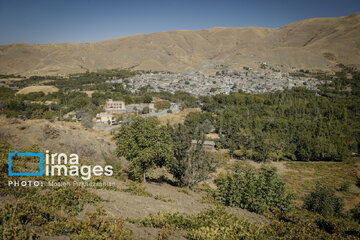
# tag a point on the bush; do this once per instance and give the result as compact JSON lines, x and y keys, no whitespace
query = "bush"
{"x":100,"y":226}
{"x":37,"y":114}
{"x":201,"y":225}
{"x":300,"y":224}
{"x":257,"y":193}
{"x":324,"y":201}
{"x":86,"y":120}
{"x":137,"y":189}
{"x":345,"y":187}
{"x":355,"y":212}
{"x":48,"y":115}
{"x":163,"y":104}
{"x":218,"y":224}
{"x":145,"y":110}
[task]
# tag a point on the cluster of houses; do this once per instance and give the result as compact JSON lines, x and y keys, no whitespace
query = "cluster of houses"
{"x":107,"y":120}
{"x":224,"y":82}
{"x":113,"y":108}
{"x":108,"y":117}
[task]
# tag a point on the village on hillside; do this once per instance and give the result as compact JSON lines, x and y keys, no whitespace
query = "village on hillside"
{"x":222,"y":82}
{"x":247,"y":80}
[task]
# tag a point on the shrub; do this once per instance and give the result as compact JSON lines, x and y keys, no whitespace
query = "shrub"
{"x":218,"y":224}
{"x":37,"y":114}
{"x":355,"y":212}
{"x":324,"y":201}
{"x":145,"y":110}
{"x":163,"y":198}
{"x":48,"y":115}
{"x":307,"y":225}
{"x":86,"y":120}
{"x":210,"y":218}
{"x":100,"y":226}
{"x":184,"y":191}
{"x":257,"y":193}
{"x":163,"y":104}
{"x":136,"y":188}
{"x":345,"y":187}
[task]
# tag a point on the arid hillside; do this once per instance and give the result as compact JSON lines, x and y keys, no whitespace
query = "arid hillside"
{"x":58,"y":136}
{"x":317,"y":43}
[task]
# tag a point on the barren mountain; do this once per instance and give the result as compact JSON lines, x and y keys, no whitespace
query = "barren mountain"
{"x":317,"y":43}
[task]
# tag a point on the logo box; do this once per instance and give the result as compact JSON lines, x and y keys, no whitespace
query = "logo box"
{"x":40,"y":155}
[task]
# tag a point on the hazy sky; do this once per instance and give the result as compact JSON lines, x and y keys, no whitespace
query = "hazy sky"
{"x":54,"y":21}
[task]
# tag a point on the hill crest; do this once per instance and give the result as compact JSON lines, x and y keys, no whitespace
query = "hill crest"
{"x":318,"y":43}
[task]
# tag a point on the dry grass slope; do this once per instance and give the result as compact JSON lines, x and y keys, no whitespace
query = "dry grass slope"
{"x":58,"y":137}
{"x":44,"y":89}
{"x":177,"y":117}
{"x":317,"y":43}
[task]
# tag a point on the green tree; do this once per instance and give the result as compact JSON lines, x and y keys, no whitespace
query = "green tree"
{"x":144,"y":144}
{"x":191,"y":164}
{"x":147,"y":98}
{"x":196,"y":120}
{"x":198,"y":165}
{"x":257,"y":193}
{"x":182,"y":143}
{"x":324,"y":201}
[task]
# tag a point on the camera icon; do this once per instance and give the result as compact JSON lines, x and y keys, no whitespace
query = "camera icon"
{"x":11,"y":155}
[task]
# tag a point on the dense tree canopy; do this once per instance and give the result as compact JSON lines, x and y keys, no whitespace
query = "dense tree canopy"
{"x":257,"y":193}
{"x":295,"y":124}
{"x":144,"y":144}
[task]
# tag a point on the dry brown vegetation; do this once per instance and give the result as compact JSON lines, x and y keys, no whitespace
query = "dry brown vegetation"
{"x":65,"y":137}
{"x":177,"y":117}
{"x":44,"y":89}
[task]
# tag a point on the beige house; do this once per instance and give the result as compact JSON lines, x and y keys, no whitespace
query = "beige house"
{"x":111,"y":105}
{"x":105,"y":118}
